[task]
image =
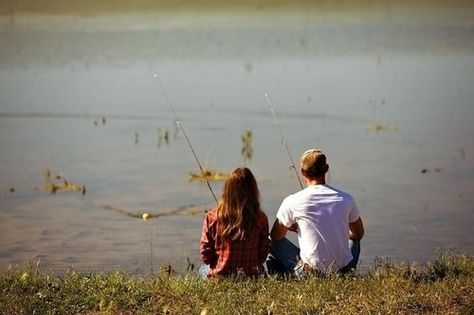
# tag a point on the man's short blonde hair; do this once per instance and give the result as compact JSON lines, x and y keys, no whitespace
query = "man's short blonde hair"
{"x":313,"y":162}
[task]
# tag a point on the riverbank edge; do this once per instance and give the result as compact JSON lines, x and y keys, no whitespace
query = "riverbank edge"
{"x":444,"y":285}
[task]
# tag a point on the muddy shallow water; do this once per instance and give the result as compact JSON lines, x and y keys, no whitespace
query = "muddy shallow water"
{"x":388,"y":97}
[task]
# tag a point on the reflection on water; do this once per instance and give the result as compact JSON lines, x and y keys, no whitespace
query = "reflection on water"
{"x":387,"y":96}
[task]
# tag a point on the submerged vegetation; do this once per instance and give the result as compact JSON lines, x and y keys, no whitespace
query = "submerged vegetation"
{"x":378,"y":127}
{"x":207,"y":174}
{"x":444,"y":286}
{"x":54,"y":183}
{"x":247,"y":147}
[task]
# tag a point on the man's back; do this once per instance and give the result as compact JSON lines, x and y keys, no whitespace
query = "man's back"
{"x":326,"y":219}
{"x":323,"y":214}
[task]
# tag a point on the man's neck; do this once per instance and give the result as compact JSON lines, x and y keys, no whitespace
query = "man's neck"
{"x":315,"y":181}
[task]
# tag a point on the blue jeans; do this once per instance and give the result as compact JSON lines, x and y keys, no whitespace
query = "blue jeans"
{"x":284,"y":257}
{"x":203,"y":270}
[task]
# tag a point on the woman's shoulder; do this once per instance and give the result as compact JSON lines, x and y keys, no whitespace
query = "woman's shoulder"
{"x":261,"y":216}
{"x":210,"y":218}
{"x":211,"y":214}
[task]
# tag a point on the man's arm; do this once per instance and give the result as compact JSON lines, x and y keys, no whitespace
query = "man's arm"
{"x":356,"y":230}
{"x":278,"y":231}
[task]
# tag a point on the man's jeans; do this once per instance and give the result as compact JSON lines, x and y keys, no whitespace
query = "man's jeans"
{"x":284,"y":258}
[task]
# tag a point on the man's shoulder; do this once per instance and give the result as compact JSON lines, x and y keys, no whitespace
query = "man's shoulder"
{"x":340,"y":191}
{"x":295,"y":196}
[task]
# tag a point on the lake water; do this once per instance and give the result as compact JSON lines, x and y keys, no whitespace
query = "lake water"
{"x":387,"y":92}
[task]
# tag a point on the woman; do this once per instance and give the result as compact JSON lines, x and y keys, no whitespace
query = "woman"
{"x":234,"y":237}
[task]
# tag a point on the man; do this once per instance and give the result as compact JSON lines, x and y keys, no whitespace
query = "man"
{"x":327,"y":222}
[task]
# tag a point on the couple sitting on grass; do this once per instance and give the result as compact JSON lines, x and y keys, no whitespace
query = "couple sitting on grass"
{"x":235,"y":238}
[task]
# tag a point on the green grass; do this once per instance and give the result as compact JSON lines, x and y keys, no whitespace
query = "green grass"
{"x":443,"y":286}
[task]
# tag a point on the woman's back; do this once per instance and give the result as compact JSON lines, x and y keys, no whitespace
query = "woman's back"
{"x":234,"y":236}
{"x":231,"y":257}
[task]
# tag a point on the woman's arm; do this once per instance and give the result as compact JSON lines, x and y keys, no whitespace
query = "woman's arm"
{"x":207,"y":244}
{"x":264,"y":241}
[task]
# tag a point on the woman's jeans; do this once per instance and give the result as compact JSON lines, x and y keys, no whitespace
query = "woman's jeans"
{"x":203,"y":270}
{"x":284,"y":258}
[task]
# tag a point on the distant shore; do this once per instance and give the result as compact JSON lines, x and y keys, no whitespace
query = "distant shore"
{"x":141,"y":6}
{"x":93,"y":32}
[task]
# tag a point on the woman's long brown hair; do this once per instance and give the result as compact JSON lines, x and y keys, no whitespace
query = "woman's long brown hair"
{"x":238,"y":206}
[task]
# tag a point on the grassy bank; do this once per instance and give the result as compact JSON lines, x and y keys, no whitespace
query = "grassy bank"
{"x":444,"y":286}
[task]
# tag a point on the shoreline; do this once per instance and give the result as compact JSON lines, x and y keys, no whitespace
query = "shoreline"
{"x":188,"y":266}
{"x":444,"y":286}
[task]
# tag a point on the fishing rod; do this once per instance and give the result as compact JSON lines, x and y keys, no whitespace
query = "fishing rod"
{"x":283,"y":140}
{"x":180,"y":125}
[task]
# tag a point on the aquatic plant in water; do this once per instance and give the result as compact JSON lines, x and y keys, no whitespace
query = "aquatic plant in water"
{"x":247,"y":147}
{"x":54,"y":183}
{"x":207,"y":174}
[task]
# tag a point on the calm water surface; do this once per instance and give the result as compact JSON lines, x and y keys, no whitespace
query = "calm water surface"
{"x":329,"y":75}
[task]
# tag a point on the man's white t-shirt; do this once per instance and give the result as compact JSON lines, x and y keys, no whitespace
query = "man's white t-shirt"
{"x":323,"y":214}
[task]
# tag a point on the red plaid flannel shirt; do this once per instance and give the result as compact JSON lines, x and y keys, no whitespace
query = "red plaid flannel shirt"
{"x":226,"y":257}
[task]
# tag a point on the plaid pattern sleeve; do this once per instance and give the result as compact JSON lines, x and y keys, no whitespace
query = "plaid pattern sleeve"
{"x":207,"y":248}
{"x":227,"y":257}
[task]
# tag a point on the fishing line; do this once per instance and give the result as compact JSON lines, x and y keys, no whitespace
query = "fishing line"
{"x":180,"y":125}
{"x":283,"y":140}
